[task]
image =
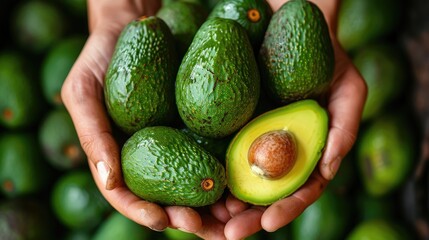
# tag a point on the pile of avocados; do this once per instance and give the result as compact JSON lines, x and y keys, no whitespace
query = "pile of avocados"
{"x":209,"y":98}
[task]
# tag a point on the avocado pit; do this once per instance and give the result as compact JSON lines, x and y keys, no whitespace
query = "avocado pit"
{"x":273,"y":154}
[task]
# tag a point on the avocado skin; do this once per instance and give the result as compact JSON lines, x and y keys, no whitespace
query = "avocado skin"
{"x":139,"y":87}
{"x":237,"y":10}
{"x":184,"y":18}
{"x":296,"y":56}
{"x":218,"y":82}
{"x":164,"y":165}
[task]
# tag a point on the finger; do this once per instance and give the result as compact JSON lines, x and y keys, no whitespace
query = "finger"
{"x":140,"y":211}
{"x":235,"y":206}
{"x":219,"y":211}
{"x":245,"y":223}
{"x":184,"y":218}
{"x":286,"y":210}
{"x":212,"y":228}
{"x":345,"y":106}
{"x":82,"y":94}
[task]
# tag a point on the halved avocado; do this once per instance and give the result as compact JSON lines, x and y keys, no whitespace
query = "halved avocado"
{"x":307,"y":121}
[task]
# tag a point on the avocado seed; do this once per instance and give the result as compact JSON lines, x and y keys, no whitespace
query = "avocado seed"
{"x":273,"y":154}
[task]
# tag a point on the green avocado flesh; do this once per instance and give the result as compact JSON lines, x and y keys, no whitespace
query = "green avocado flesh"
{"x":308,"y":121}
{"x":164,"y":165}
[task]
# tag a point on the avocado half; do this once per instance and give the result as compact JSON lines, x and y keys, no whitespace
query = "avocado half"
{"x":307,"y":121}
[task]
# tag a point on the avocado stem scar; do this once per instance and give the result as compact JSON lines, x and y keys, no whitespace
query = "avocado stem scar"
{"x":253,"y":15}
{"x":7,"y":114}
{"x":8,"y":185}
{"x":207,"y":184}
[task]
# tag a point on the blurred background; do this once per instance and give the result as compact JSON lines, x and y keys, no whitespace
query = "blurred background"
{"x":380,"y":192}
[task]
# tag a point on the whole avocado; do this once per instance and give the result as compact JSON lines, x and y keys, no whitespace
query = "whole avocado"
{"x":139,"y":87}
{"x":296,"y":56}
{"x":164,"y":165}
{"x":218,"y":82}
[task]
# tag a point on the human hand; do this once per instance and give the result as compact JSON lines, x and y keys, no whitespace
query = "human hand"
{"x":344,"y":104}
{"x":82,"y":94}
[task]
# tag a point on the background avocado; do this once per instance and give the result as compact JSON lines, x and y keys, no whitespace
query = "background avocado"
{"x":21,"y":101}
{"x":76,"y":201}
{"x":296,"y":58}
{"x":254,"y":16}
{"x":218,"y":83}
{"x":62,"y":149}
{"x":140,"y":79}
{"x":164,"y":165}
{"x":57,"y":64}
{"x":307,"y":121}
{"x":23,"y":169}
{"x":116,"y":226}
{"x":184,"y":18}
{"x":379,"y":229}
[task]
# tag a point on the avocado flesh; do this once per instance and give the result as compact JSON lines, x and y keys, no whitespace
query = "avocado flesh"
{"x":309,"y":124}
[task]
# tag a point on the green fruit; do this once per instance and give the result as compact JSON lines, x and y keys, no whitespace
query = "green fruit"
{"x":57,"y":65}
{"x":301,"y":128}
{"x":20,"y":96}
{"x":175,"y":234}
{"x":254,"y":16}
{"x":37,"y":25}
{"x":26,"y":219}
{"x":139,"y":87}
{"x":385,"y":152}
{"x":23,"y":169}
{"x":117,"y":226}
{"x":383,"y":68}
{"x":164,"y":165}
{"x":76,"y":201}
{"x":329,"y":217}
{"x":217,"y":86}
{"x":184,"y":18}
{"x":296,"y":56}
{"x":61,"y":148}
{"x":363,"y":21}
{"x":379,"y":229}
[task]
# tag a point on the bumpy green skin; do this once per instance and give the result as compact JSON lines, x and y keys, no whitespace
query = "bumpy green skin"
{"x":139,"y":88}
{"x":184,"y":18}
{"x":296,"y":56}
{"x":164,"y":165}
{"x":238,"y":10}
{"x":218,"y":83}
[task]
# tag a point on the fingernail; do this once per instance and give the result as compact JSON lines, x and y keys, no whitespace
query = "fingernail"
{"x":103,"y":172}
{"x":333,"y":167}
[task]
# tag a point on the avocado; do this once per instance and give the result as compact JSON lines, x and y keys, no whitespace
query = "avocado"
{"x":175,"y":234}
{"x":254,"y":16}
{"x":296,"y":58}
{"x":37,"y":25}
{"x":140,"y":79}
{"x":385,"y":153}
{"x":184,"y":18}
{"x":26,"y":218}
{"x":116,"y":226}
{"x":361,"y":22}
{"x":23,"y":169}
{"x":76,"y":201}
{"x":329,"y":217}
{"x":383,"y":67}
{"x":265,"y":183}
{"x":21,"y":101}
{"x":164,"y":165}
{"x":57,"y":64}
{"x":62,"y":149}
{"x":218,"y":82}
{"x":380,"y":228}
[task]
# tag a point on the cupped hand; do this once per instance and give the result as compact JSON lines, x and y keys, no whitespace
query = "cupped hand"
{"x":344,"y":105}
{"x":82,"y":94}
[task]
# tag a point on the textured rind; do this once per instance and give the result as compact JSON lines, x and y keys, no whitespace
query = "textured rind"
{"x":296,"y":56}
{"x":139,"y":87}
{"x":218,"y":82}
{"x":164,"y":165}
